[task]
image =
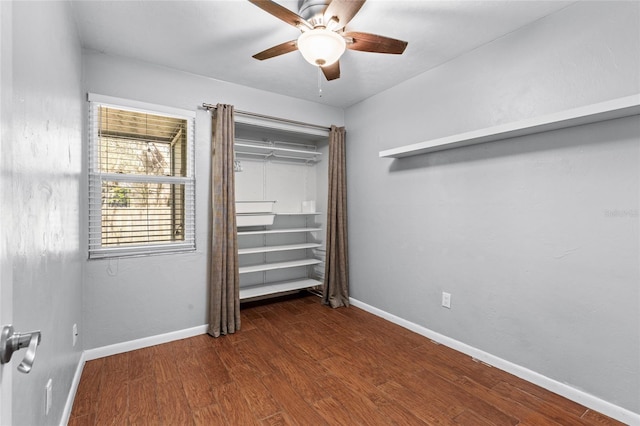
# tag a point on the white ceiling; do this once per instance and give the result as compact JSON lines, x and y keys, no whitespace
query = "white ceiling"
{"x":217,"y":38}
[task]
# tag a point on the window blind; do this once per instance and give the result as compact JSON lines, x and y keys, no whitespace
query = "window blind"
{"x":141,"y":181}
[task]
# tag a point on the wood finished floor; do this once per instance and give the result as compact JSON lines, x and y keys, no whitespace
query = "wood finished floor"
{"x":300,"y":363}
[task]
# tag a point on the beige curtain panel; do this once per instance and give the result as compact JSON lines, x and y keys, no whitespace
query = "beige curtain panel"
{"x":224,"y":304}
{"x":336,"y":282}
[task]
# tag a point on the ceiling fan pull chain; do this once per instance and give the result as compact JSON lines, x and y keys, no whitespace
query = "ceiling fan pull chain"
{"x":319,"y":82}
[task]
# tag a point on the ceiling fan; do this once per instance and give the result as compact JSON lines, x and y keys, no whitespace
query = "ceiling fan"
{"x":323,"y":39}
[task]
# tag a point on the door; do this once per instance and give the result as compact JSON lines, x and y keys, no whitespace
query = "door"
{"x":6,"y":275}
{"x":5,"y":318}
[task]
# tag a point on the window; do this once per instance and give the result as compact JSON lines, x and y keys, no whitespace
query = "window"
{"x":141,"y":180}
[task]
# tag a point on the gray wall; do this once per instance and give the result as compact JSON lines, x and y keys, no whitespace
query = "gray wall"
{"x":536,"y":238}
{"x":133,"y":298}
{"x":41,"y":174}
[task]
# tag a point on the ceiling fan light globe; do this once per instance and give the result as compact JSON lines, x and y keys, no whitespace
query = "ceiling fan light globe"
{"x":321,"y":47}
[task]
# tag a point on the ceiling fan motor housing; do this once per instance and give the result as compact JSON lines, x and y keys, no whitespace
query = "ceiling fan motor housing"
{"x":313,"y":11}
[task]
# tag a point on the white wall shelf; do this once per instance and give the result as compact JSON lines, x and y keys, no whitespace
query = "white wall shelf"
{"x":616,"y":108}
{"x":280,"y":287}
{"x":271,"y":249}
{"x":278,"y":265}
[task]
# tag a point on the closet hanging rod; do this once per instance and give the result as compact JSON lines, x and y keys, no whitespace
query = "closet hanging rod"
{"x":272,"y":155}
{"x":277,"y":148}
{"x":273,"y":143}
{"x":270,"y":117}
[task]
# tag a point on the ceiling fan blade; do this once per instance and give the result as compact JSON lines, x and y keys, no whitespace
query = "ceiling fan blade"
{"x":366,"y":42}
{"x":332,"y":72}
{"x":278,"y":50}
{"x":282,"y":13}
{"x":342,"y":11}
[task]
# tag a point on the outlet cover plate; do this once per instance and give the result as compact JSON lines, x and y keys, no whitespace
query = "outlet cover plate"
{"x":446,"y":300}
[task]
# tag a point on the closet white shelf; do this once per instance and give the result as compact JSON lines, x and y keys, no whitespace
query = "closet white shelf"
{"x":616,"y":108}
{"x":278,"y":231}
{"x":277,"y":149}
{"x":278,"y":265}
{"x":244,"y":220}
{"x":271,"y":149}
{"x":271,"y":249}
{"x":298,"y":213}
{"x":279,"y":287}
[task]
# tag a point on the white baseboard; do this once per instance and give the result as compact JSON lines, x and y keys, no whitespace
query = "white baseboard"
{"x":581,"y":397}
{"x":119,"y":348}
{"x":145,"y":342}
{"x":66,"y":413}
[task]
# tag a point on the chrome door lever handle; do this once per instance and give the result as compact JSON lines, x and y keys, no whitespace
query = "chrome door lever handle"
{"x":10,"y":342}
{"x":30,"y":356}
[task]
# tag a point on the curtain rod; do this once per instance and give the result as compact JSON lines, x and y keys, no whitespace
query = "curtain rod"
{"x":269,"y":117}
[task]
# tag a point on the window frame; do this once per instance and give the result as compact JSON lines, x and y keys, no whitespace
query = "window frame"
{"x":96,"y":178}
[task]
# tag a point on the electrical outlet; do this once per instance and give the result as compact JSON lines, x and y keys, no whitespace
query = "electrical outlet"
{"x":48,"y":391}
{"x":446,"y":300}
{"x":74,"y":332}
